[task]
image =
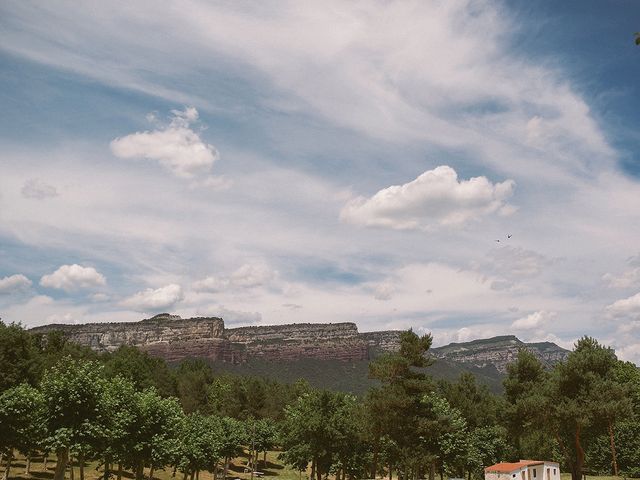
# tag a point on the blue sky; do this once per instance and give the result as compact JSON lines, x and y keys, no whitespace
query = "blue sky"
{"x":279,"y":162}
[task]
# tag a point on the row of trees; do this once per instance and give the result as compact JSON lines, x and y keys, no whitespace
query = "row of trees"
{"x":130,"y":411}
{"x":583,"y":411}
{"x":78,"y":412}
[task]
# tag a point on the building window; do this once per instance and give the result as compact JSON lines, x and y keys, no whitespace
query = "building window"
{"x":534,"y":473}
{"x":554,"y":471}
{"x":514,"y":475}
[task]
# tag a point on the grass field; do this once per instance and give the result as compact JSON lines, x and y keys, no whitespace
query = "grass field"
{"x":567,"y":476}
{"x":273,"y":470}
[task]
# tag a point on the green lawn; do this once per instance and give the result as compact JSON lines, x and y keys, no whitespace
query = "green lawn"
{"x":273,"y":470}
{"x":567,"y":476}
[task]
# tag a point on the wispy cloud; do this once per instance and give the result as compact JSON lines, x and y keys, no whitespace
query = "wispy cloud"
{"x":36,"y":188}
{"x":321,"y":111}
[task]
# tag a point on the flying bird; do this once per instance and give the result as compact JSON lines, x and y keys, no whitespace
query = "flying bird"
{"x":509,"y":236}
{"x":498,"y":241}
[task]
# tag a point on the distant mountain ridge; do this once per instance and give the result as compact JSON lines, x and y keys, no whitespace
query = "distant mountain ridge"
{"x":499,"y":352}
{"x":336,"y":354}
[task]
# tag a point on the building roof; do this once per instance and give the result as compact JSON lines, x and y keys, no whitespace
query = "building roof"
{"x":511,"y":467}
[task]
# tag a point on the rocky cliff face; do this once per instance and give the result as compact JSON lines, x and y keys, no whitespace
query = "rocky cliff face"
{"x":499,"y":352}
{"x":175,"y":338}
{"x":167,"y":336}
{"x":383,"y":341}
{"x":333,"y":341}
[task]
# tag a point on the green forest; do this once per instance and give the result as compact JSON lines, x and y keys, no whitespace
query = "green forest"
{"x":132,"y":415}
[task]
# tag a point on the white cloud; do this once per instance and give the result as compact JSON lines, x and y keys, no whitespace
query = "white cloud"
{"x":219,"y":182}
{"x":211,"y":284}
{"x":35,"y":188}
{"x":152,"y":300}
{"x":377,"y":86}
{"x":73,"y":277}
{"x":384,"y":291}
{"x":509,"y":266}
{"x":435,"y":199}
{"x":42,"y":309}
{"x":634,"y":261}
{"x":626,"y":307}
{"x":231,"y":316}
{"x":250,"y":275}
{"x":533,"y":321}
{"x":99,"y":297}
{"x":14,"y":283}
{"x":60,"y":318}
{"x":628,"y":278}
{"x":247,"y":276}
{"x":176,"y":147}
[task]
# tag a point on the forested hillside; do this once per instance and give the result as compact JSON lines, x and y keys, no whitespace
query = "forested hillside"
{"x":132,"y":414}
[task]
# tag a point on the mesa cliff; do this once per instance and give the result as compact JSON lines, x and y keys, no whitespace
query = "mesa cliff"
{"x":174,"y":339}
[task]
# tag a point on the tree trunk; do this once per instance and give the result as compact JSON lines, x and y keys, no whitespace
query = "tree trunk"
{"x":119,"y":471}
{"x":264,"y":461}
{"x":576,"y":470}
{"x":374,"y":463}
{"x":432,"y":470}
{"x":107,"y":468}
{"x":192,"y":474}
{"x":390,"y":472}
{"x":318,"y":473}
{"x":313,"y":469}
{"x":151,"y":472}
{"x":27,"y":470}
{"x":614,"y":457}
{"x":81,"y":462}
{"x":5,"y":476}
{"x":71,"y":473}
{"x":140,"y":470}
{"x":44,"y":462}
{"x":62,"y":455}
{"x":226,"y":468}
{"x":175,"y":469}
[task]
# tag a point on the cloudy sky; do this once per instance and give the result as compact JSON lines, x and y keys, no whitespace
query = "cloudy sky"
{"x":278,"y":162}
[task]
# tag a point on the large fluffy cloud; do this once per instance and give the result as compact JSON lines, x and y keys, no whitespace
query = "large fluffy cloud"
{"x":73,"y":277}
{"x":153,"y":300}
{"x":434,"y":199}
{"x":14,"y":283}
{"x":176,"y":146}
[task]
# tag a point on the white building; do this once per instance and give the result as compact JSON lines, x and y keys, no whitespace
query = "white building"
{"x":523,"y":470}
